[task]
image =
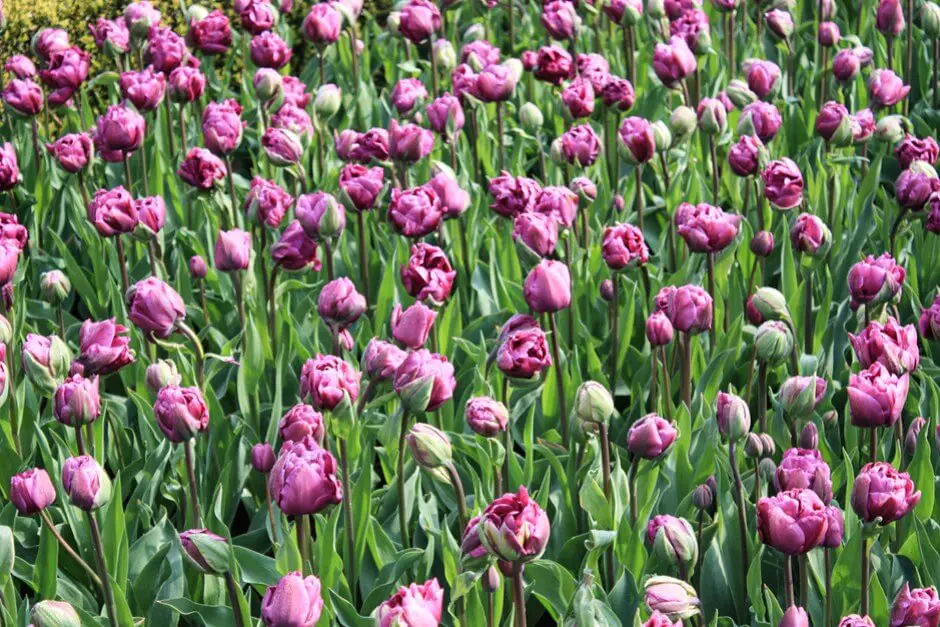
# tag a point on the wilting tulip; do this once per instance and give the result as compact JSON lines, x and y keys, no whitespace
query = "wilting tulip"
{"x":73,"y":152}
{"x":689,"y":308}
{"x":651,"y":436}
{"x":381,"y":359}
{"x":890,"y":344}
{"x":416,"y":604}
{"x":326,"y":379}
{"x":486,"y":416}
{"x":672,"y":597}
{"x":415,"y":212}
{"x":295,"y":600}
{"x":31,"y":491}
{"x":875,"y":280}
{"x":882,"y":494}
{"x":424,"y":381}
{"x":793,"y":521}
{"x":86,"y":483}
{"x":54,"y":614}
{"x":77,"y":401}
{"x":428,"y":275}
{"x":920,"y":606}
{"x":514,"y":528}
{"x":804,"y":469}
{"x":302,"y":421}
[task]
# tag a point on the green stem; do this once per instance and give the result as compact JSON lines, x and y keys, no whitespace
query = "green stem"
{"x":188,"y":449}
{"x":233,"y":599}
{"x":865,"y":574}
{"x":103,"y":570}
{"x":350,"y":556}
{"x":559,"y":380}
{"x":459,"y":495}
{"x":518,"y":594}
{"x":186,"y":330}
{"x":47,"y":520}
{"x":402,"y":512}
{"x":739,"y":501}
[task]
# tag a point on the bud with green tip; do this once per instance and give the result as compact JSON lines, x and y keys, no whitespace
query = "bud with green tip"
{"x":767,"y":469}
{"x":809,"y":436}
{"x":740,"y":94}
{"x":773,"y":341}
{"x":54,"y":287}
{"x":54,"y":614}
{"x":328,"y":100}
{"x":594,"y":403}
{"x":733,"y":415}
{"x":490,"y":580}
{"x":160,"y":374}
{"x":712,"y":117}
{"x":930,"y":19}
{"x":333,"y":220}
{"x":831,"y":418}
{"x":531,"y":118}
{"x":196,"y":13}
{"x":556,"y":153}
{"x":393,"y":22}
{"x":7,"y":551}
{"x":800,"y":396}
{"x":6,"y":330}
{"x":767,"y":442}
{"x":673,"y":597}
{"x":267,"y":83}
{"x":429,"y":446}
{"x":445,"y":55}
{"x":892,"y":128}
{"x":46,"y":361}
{"x":771,"y":304}
{"x":474,"y":32}
{"x":86,"y":483}
{"x":584,"y":608}
{"x":210,"y":553}
{"x":683,"y":123}
{"x":656,"y":9}
{"x":753,"y":446}
{"x":662,"y":136}
{"x":673,"y":541}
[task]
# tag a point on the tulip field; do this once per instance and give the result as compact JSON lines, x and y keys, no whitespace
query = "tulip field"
{"x":471,"y":313}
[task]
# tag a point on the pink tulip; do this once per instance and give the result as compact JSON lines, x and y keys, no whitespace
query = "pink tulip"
{"x":112,"y":212}
{"x":882,"y":494}
{"x":361,"y":186}
{"x":428,"y":274}
{"x":513,"y":528}
{"x":889,"y":18}
{"x":118,"y":133}
{"x":890,"y":344}
{"x":302,"y":421}
{"x":831,"y":119}
{"x":854,"y":620}
{"x":513,"y":195}
{"x":783,"y":183}
{"x":10,"y":175}
{"x":886,"y":89}
{"x":915,"y":185}
{"x":269,"y":50}
{"x":258,"y":17}
{"x":581,"y":145}
{"x":381,"y":359}
{"x":326,"y":379}
{"x":804,"y":469}
{"x":745,"y":156}
{"x":304,"y":481}
{"x":166,"y":51}
{"x":140,"y":17}
{"x":659,"y":330}
{"x":920,"y":606}
{"x":294,"y":250}
{"x":446,"y":116}
{"x":673,"y":61}
{"x":64,"y":74}
{"x":407,"y":93}
{"x":320,"y":215}
{"x":553,"y":65}
{"x":155,"y":307}
{"x":464,"y":82}
{"x":412,"y":326}
{"x":20,"y":67}
{"x":453,"y":198}
{"x":658,"y":619}
{"x":187,"y":84}
{"x":793,"y":522}
{"x":929,"y":321}
{"x":151,"y":211}
{"x":795,"y":616}
{"x":210,"y":35}
{"x":479,"y":54}
{"x":295,"y":600}
{"x":693,"y":27}
{"x":31,"y":491}
{"x":548,"y":287}
{"x":417,"y":605}
{"x":180,"y":413}
{"x":77,"y":401}
{"x":810,"y":235}
{"x":496,"y":82}
{"x":421,"y":368}
{"x":415,"y":212}
{"x":688,"y":307}
{"x":706,"y":228}
{"x":486,"y":417}
{"x":232,"y":250}
{"x":222,"y":126}
{"x":624,"y":247}
{"x":537,"y":232}
{"x":144,"y":89}
{"x":266,"y":203}
{"x":201,"y":169}
{"x":339,"y":304}
{"x":763,"y":77}
{"x":761,"y":118}
{"x":877,"y":397}
{"x":419,"y":18}
{"x":23,"y":97}
{"x":73,"y":152}
{"x":409,"y":143}
{"x":104,"y":347}
{"x":828,"y":34}
{"x":873,"y":281}
{"x":523,"y":353}
{"x":559,"y":203}
{"x":560,"y":19}
{"x":651,"y":436}
{"x":111,"y":36}
{"x":845,"y":65}
{"x":636,"y":136}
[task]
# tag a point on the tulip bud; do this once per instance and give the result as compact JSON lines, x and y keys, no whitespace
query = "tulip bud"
{"x":267,"y":83}
{"x":490,"y":580}
{"x":662,"y":136}
{"x":830,"y":418}
{"x":556,"y":153}
{"x":773,"y":341}
{"x":771,"y":304}
{"x":160,"y":374}
{"x":656,"y":9}
{"x":913,"y":431}
{"x":333,"y":220}
{"x":733,"y":415}
{"x":762,"y":244}
{"x":531,"y":118}
{"x":673,"y":597}
{"x":445,"y":55}
{"x":6,"y":330}
{"x":54,"y":287}
{"x":799,"y":396}
{"x":86,"y":483}
{"x":607,"y":290}
{"x":393,"y":22}
{"x":54,"y":614}
{"x":892,"y":128}
{"x":197,"y":267}
{"x":712,"y":117}
{"x":702,"y":497}
{"x":768,"y":444}
{"x":593,"y":403}
{"x":740,"y":94}
{"x":753,"y":447}
{"x":673,"y":541}
{"x":930,"y":19}
{"x":46,"y":369}
{"x":7,"y":551}
{"x":210,"y":553}
{"x":328,"y":100}
{"x":809,"y":436}
{"x":682,"y":123}
{"x":430,"y":447}
{"x":196,"y":13}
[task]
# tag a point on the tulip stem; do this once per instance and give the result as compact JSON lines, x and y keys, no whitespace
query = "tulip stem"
{"x":60,"y":315}
{"x":756,"y":480}
{"x":640,"y":198}
{"x":188,"y":447}
{"x":827,"y":617}
{"x":490,"y":609}
{"x":183,"y":142}
{"x":686,"y":341}
{"x":739,"y":501}
{"x":303,"y":539}
{"x":654,"y":376}
{"x":402,"y":512}
{"x":788,"y":581}
{"x":936,"y":72}
{"x":228,"y":217}
{"x":667,"y":392}
{"x":605,"y":467}
{"x":507,"y":435}
{"x":11,"y":381}
{"x":894,"y":231}
{"x":559,"y":380}
{"x":267,"y":499}
{"x":713,"y":151}
{"x":518,"y":594}
{"x":865,"y":573}
{"x":364,"y":257}
{"x":808,"y":314}
{"x":459,"y":495}
{"x":233,"y":599}
{"x":328,"y":258}
{"x":103,"y":569}
{"x":499,"y":136}
{"x":186,"y":330}
{"x":68,"y":548}
{"x":350,"y":556}
{"x":762,"y":396}
{"x":272,"y":313}
{"x":804,"y":581}
{"x":434,"y":82}
{"x":634,"y":500}
{"x":614,"y":333}
{"x":873,"y":445}
{"x":169,"y":126}
{"x":80,"y":441}
{"x":122,"y":262}
{"x":712,"y":332}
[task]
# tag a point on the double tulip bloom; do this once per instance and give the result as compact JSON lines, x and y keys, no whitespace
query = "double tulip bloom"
{"x":523,"y":349}
{"x":651,"y":436}
{"x":513,"y":195}
{"x":424,"y":380}
{"x":10,"y":175}
{"x":144,"y":88}
{"x":581,"y":145}
{"x":673,"y":61}
{"x":513,"y":528}
{"x":537,"y":232}
{"x":326,"y":379}
{"x":202,"y":169}
{"x":623,"y":246}
{"x":77,"y":401}
{"x":783,"y":184}
{"x":794,"y":521}
{"x":548,"y":287}
{"x":181,"y":413}
{"x":689,"y":308}
{"x":302,"y":421}
{"x":810,"y":236}
{"x":72,"y":152}
{"x":304,"y":479}
{"x":486,"y":416}
{"x":295,"y":600}
{"x":415,"y":604}
{"x":706,"y":228}
{"x":339,"y":304}
{"x":875,"y":280}
{"x":381,"y":359}
{"x":415,"y":212}
{"x":118,"y":133}
{"x":428,"y":275}
{"x":890,"y":344}
{"x":882,"y":494}
{"x":804,"y":469}
{"x":920,"y":606}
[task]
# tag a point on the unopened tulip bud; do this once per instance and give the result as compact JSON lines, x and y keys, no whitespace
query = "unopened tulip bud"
{"x":196,"y":13}
{"x":683,"y":122}
{"x":740,"y":94}
{"x":892,"y":128}
{"x":771,"y":304}
{"x":54,"y":614}
{"x":54,"y":286}
{"x":328,"y":100}
{"x":86,"y":483}
{"x":830,"y":418}
{"x":267,"y":83}
{"x":393,"y":22}
{"x":809,"y":436}
{"x":160,"y":374}
{"x":673,"y":541}
{"x":767,"y":469}
{"x":799,"y":396}
{"x":262,"y":457}
{"x":210,"y":553}
{"x":773,"y":341}
{"x":733,"y":415}
{"x":673,"y":597}
{"x":753,"y":447}
{"x":910,"y":438}
{"x":762,"y":244}
{"x":531,"y":118}
{"x":7,"y":551}
{"x":662,"y":136}
{"x":703,"y":498}
{"x":556,"y":153}
{"x":712,"y":117}
{"x":444,"y":55}
{"x":490,"y":580}
{"x":619,"y":203}
{"x":607,"y":290}
{"x":768,"y":444}
{"x":930,"y":19}
{"x":474,"y":32}
{"x":593,"y":403}
{"x":46,"y":361}
{"x":656,"y":9}
{"x":6,"y":330}
{"x":430,"y":447}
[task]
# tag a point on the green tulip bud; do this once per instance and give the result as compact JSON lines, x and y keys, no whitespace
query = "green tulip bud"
{"x":768,"y":445}
{"x":800,"y":395}
{"x":556,"y":153}
{"x":662,"y":136}
{"x":210,"y":553}
{"x":54,"y":286}
{"x":683,"y":122}
{"x":771,"y":304}
{"x":674,"y":542}
{"x":393,"y":22}
{"x":54,"y":614}
{"x":892,"y":128}
{"x":930,"y":19}
{"x":6,"y":330}
{"x":430,"y":447}
{"x":767,"y":469}
{"x":531,"y":118}
{"x":593,"y":403}
{"x":417,"y":395}
{"x":656,"y":9}
{"x":753,"y":447}
{"x":702,"y":497}
{"x":445,"y":55}
{"x":196,"y":13}
{"x":773,"y":341}
{"x":328,"y":100}
{"x":740,"y":94}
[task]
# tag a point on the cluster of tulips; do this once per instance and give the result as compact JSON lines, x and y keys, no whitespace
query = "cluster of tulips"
{"x":588,"y":372}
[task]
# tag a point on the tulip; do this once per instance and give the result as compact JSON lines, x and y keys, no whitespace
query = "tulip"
{"x":578,"y":97}
{"x":773,"y":342}
{"x":360,"y":186}
{"x":46,"y":361}
{"x":834,"y":124}
{"x":624,"y":247}
{"x":638,"y":144}
{"x":795,"y":616}
{"x":828,"y":34}
{"x":232,"y":250}
{"x":809,"y":437}
{"x":560,"y":19}
{"x":762,"y":244}
{"x":430,"y":447}
{"x":804,"y":469}
{"x":262,"y":455}
{"x":73,"y":152}
{"x":118,"y":133}
{"x":486,"y":416}
{"x":160,"y":374}
{"x":854,"y":620}
{"x":54,"y":614}
{"x":326,"y":379}
{"x":712,"y":118}
{"x":514,"y":528}
{"x":202,"y":169}
{"x":208,"y":552}
{"x":890,"y":344}
{"x":672,"y":597}
{"x":412,"y":326}
{"x":733,"y":416}
{"x":689,"y":308}
{"x":20,"y":66}
{"x":428,"y":275}
{"x":783,"y":184}
{"x":166,"y":51}
{"x":920,"y":606}
{"x":889,"y":19}
{"x":222,"y":127}
{"x":268,"y":84}
{"x":882,"y":494}
{"x":415,"y":212}
{"x":24,"y":97}
{"x":913,"y":432}
{"x":144,"y":89}
{"x":409,"y":143}
{"x":763,"y":77}
{"x":303,"y":481}
{"x":672,"y":541}
{"x":886,"y":89}
{"x":845,"y":65}
{"x":513,"y":195}
{"x":302,"y":421}
{"x":747,"y":156}
{"x":912,"y":149}
{"x":187,"y":84}
{"x":416,"y":604}
{"x":258,"y":17}
{"x":424,"y":381}
{"x":151,"y":213}
{"x":140,"y":17}
{"x":581,"y":145}
{"x":761,"y":119}
{"x":523,"y":353}
{"x":77,"y":401}
{"x":651,"y":436}
{"x":270,"y":51}
{"x":793,"y":521}
{"x":31,"y":491}
{"x":65,"y":72}
{"x":929,"y":322}
{"x":706,"y":228}
{"x":553,"y":65}
{"x":659,"y":330}
{"x":210,"y":35}
{"x":86,"y":483}
{"x":446,"y":116}
{"x":155,"y":307}
{"x":266,"y":203}
{"x":800,"y":396}
{"x":381,"y":359}
{"x":548,"y":287}
{"x":658,"y":619}
{"x":874,"y":281}
{"x":407,"y":93}
{"x":617,"y":93}
{"x":54,"y":287}
{"x":692,"y":26}
{"x":339,"y":304}
{"x":295,"y":600}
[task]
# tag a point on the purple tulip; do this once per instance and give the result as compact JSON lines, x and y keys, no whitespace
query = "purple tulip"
{"x":418,"y":605}
{"x":693,"y":27}
{"x":929,"y":321}
{"x":560,"y":19}
{"x":295,"y":601}
{"x":453,"y":198}
{"x":428,"y":274}
{"x":151,"y":212}
{"x":222,"y":126}
{"x":118,"y":133}
{"x":155,"y":307}
{"x":889,"y":18}
{"x":854,"y":620}
{"x":763,"y":77}
{"x":31,"y":491}
{"x":361,"y":186}
{"x":73,"y":151}
{"x":232,"y":250}
{"x":258,"y":17}
{"x":187,"y":84}
{"x":381,"y":359}
{"x":637,"y":138}
{"x":24,"y":97}
{"x":651,"y":436}
{"x":624,"y":247}
{"x":181,"y":413}
{"x":408,"y":142}
{"x":793,"y":522}
{"x":49,"y":41}
{"x":201,"y":169}
{"x":419,"y":18}
{"x":882,"y":494}
{"x":302,"y":421}
{"x":486,"y":416}
{"x":673,"y":61}
{"x":537,"y":232}
{"x":77,"y":401}
{"x":915,"y":185}
{"x":65,"y":73}
{"x":783,"y":184}
{"x":875,"y":280}
{"x":266,"y":203}
{"x":111,"y":36}
{"x":144,"y":89}
{"x":688,"y":307}
{"x":877,"y":397}
{"x":761,"y":119}
{"x":113,"y":212}
{"x":496,"y":82}
{"x":86,"y":483}
{"x":845,"y":65}
{"x":659,"y":330}
{"x":420,"y":369}
{"x":890,"y":344}
{"x":140,"y":17}
{"x":446,"y":116}
{"x":104,"y":347}
{"x":166,"y":50}
{"x":10,"y":175}
{"x":415,"y":212}
{"x":282,"y":147}
{"x":833,"y":118}
{"x":407,"y":93}
{"x":339,"y":304}
{"x":262,"y":457}
{"x":828,"y":35}
{"x":706,"y":228}
{"x":580,"y":144}
{"x":513,"y":528}
{"x":20,"y":67}
{"x":523,"y":352}
{"x":513,"y":195}
{"x":804,"y":469}
{"x":211,"y":35}
{"x":618,"y":92}
{"x":745,"y":156}
{"x":886,"y":89}
{"x":479,"y":54}
{"x":911,"y":149}
{"x":548,"y":287}
{"x":326,"y":379}
{"x":810,"y":235}
{"x":304,"y":480}
{"x":920,"y":606}
{"x":412,"y":326}
{"x":294,"y":250}
{"x":553,"y":65}
{"x":268,"y":50}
